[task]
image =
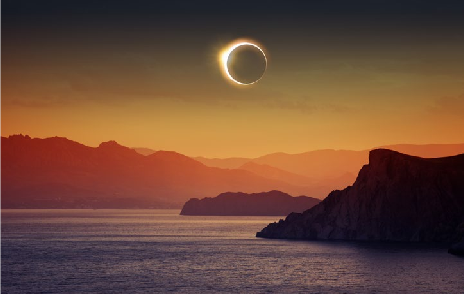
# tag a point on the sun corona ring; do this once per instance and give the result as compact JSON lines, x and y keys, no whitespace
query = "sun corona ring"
{"x":225,"y":54}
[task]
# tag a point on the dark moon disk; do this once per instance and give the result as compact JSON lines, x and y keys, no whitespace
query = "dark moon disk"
{"x":246,"y":64}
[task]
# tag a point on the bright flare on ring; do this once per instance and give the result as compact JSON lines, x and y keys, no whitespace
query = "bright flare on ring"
{"x":224,"y":57}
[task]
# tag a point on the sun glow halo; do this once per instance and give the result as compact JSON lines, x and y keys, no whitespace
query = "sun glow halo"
{"x":225,"y":54}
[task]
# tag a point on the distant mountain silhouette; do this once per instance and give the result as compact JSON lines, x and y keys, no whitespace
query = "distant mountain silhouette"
{"x":332,"y":169}
{"x":319,"y":164}
{"x":342,"y":180}
{"x":270,"y":172}
{"x":144,"y":151}
{"x":230,"y":163}
{"x":39,"y":172}
{"x":396,"y":197}
{"x":60,"y":173}
{"x":266,"y":203}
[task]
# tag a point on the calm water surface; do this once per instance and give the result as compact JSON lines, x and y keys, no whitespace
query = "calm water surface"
{"x":147,"y":251}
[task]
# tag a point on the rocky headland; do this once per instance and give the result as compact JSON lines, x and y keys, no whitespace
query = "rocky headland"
{"x":396,"y":197}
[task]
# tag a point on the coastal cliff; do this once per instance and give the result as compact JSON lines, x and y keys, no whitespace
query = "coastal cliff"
{"x":259,"y":204}
{"x":396,"y":197}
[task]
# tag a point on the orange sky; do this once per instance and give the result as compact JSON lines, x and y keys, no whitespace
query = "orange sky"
{"x":328,"y":85}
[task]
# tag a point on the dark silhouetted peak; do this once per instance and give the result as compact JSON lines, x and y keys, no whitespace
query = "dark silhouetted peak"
{"x":275,"y":194}
{"x":144,"y":151}
{"x":19,"y":137}
{"x":169,"y":154}
{"x":272,"y":193}
{"x":115,"y":147}
{"x":377,"y":156}
{"x":110,"y":145}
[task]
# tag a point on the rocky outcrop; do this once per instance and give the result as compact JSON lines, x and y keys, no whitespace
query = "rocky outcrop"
{"x":457,"y":247}
{"x":396,"y":197}
{"x":266,"y":203}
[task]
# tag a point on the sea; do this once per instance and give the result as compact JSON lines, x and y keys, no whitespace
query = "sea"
{"x":160,"y":251}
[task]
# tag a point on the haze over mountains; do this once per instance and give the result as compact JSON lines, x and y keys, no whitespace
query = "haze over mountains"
{"x":328,"y":170}
{"x":57,"y":172}
{"x":144,"y":151}
{"x":323,"y":170}
{"x":60,"y":173}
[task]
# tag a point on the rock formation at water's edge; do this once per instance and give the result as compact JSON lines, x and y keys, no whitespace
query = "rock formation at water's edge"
{"x":396,"y":197}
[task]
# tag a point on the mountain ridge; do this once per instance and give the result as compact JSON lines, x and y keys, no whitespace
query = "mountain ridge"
{"x":60,"y":173}
{"x":334,"y":169}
